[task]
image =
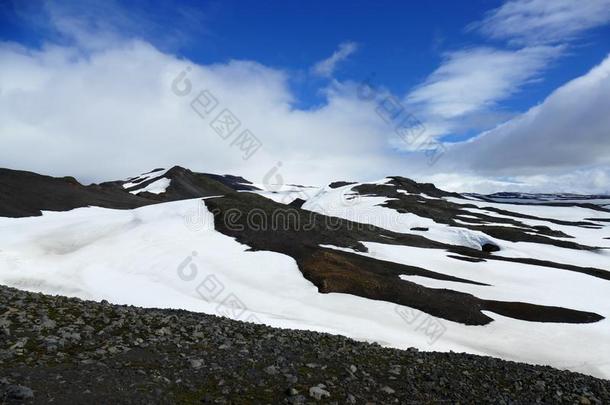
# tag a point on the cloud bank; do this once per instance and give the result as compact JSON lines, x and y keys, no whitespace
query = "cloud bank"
{"x":112,"y":113}
{"x":561,"y":145}
{"x":108,"y":110}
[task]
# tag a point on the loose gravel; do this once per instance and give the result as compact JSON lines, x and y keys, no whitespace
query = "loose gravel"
{"x":62,"y":350}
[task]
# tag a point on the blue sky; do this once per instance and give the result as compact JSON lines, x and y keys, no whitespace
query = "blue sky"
{"x":401,"y":42}
{"x":462,"y":68}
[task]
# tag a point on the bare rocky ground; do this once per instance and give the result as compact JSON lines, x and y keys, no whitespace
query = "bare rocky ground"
{"x":69,"y":351}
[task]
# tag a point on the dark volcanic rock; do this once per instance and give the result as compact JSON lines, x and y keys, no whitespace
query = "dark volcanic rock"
{"x":338,"y":184}
{"x":206,"y":359}
{"x":25,"y":194}
{"x":233,"y":182}
{"x":467,"y":259}
{"x":18,"y":392}
{"x":299,"y":234}
{"x":408,"y":185}
{"x":442,"y":211}
{"x":186,"y":184}
{"x":297,"y":203}
{"x":598,"y":219}
{"x":490,"y":247}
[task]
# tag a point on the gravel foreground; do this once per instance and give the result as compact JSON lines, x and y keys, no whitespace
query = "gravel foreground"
{"x":64,"y":350}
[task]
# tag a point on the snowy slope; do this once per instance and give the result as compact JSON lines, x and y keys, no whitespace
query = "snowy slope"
{"x":345,"y":203}
{"x":150,"y":257}
{"x":286,"y":193}
{"x":156,"y":187}
{"x":143,"y":178}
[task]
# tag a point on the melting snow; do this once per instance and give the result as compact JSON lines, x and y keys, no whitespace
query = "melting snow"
{"x":156,"y":187}
{"x":152,"y":257}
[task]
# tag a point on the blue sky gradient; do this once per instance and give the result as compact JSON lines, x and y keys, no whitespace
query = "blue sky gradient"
{"x":401,"y":42}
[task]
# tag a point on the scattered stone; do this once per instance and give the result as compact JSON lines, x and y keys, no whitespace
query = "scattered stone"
{"x":19,"y":392}
{"x":490,"y":247}
{"x":47,"y":323}
{"x":395,"y":369}
{"x":272,"y":370}
{"x":196,"y":363}
{"x":117,"y":353}
{"x":318,"y":392}
{"x":297,"y":400}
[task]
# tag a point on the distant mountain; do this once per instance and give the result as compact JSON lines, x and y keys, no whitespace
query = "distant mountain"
{"x":562,"y":199}
{"x":25,"y":193}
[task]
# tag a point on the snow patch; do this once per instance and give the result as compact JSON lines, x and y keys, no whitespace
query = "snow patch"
{"x":156,"y":187}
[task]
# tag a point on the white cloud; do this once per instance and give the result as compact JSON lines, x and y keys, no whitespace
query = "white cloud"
{"x":570,"y":128}
{"x":464,"y":93}
{"x":473,"y":79}
{"x":470,"y":83}
{"x":543,"y":21}
{"x":561,"y":145}
{"x":326,"y":67}
{"x":94,"y":25}
{"x":111,"y":113}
